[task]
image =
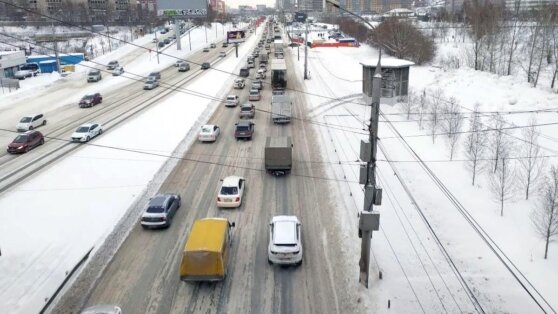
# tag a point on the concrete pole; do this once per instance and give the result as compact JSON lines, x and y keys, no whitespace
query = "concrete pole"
{"x":56,"y":55}
{"x":157,"y":46}
{"x":177,"y":33}
{"x":306,"y":52}
{"x":190,"y":38}
{"x":205,"y":27}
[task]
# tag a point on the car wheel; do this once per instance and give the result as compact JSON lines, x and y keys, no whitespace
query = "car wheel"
{"x":144,"y":226}
{"x":269,"y":261}
{"x":42,"y":141}
{"x":44,"y":122}
{"x":299,"y":263}
{"x":87,"y":139}
{"x":30,"y":128}
{"x":100,"y":131}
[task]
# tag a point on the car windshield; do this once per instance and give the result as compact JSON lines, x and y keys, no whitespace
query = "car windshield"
{"x":88,"y":97}
{"x":246,"y":108}
{"x":229,"y":190}
{"x":25,"y":119}
{"x":82,"y":129}
{"x":20,"y":139}
{"x":206,"y":130}
{"x":231,"y":98}
{"x":150,"y":81}
{"x":254,"y":92}
{"x":242,"y":128}
{"x":155,"y":209}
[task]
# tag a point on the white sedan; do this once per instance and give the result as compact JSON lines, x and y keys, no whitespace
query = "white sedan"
{"x":230,"y":194}
{"x":209,"y":133}
{"x":86,"y":132}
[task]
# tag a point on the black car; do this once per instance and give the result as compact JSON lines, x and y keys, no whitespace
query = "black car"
{"x":161,"y":44}
{"x":244,"y":129}
{"x":161,"y":210}
{"x":205,"y":66}
{"x":167,"y":41}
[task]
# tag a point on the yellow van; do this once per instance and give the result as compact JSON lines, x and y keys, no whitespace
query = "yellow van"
{"x":206,"y":250}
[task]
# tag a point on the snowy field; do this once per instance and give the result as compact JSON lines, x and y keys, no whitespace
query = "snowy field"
{"x":70,"y":201}
{"x":416,"y":274}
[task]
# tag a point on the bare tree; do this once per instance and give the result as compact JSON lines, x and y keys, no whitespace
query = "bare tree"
{"x":435,"y":112}
{"x":422,"y":107}
{"x":532,"y":162}
{"x":452,"y":123}
{"x":475,"y":144}
{"x":408,"y":104}
{"x":545,"y":215}
{"x":502,"y":183}
{"x":497,"y":141}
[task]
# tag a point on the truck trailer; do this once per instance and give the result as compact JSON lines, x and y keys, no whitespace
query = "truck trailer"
{"x":278,"y":74}
{"x":278,"y":155}
{"x":281,"y":107}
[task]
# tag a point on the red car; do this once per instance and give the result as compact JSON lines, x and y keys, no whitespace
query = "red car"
{"x":25,"y":142}
{"x":90,"y":100}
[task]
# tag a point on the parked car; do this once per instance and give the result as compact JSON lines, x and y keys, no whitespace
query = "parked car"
{"x":285,"y":241}
{"x":178,"y":63}
{"x":155,"y":40}
{"x":167,"y":41}
{"x":247,"y":110}
{"x":161,"y":210}
{"x":183,"y":67}
{"x":103,"y":309}
{"x":156,"y":75}
{"x":205,"y":66}
{"x":222,"y":54}
{"x":33,"y":67}
{"x":94,"y":76}
{"x":25,"y":142}
{"x":244,"y":129}
{"x":30,"y":122}
{"x":113,"y":65}
{"x":209,"y":133}
{"x":151,"y":83}
{"x":213,"y":45}
{"x":161,"y":44}
{"x":206,"y":49}
{"x":239,"y":83}
{"x":232,"y":101}
{"x":23,"y":74}
{"x":118,"y":71}
{"x":86,"y":132}
{"x":90,"y":100}
{"x":231,"y":192}
{"x":254,"y":95}
{"x":225,"y":44}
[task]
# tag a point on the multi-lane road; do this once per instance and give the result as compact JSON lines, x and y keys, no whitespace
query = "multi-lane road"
{"x":142,"y":277}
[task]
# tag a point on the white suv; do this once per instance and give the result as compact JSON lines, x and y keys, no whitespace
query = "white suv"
{"x":232,"y":101}
{"x":285,"y":241}
{"x":30,"y":122}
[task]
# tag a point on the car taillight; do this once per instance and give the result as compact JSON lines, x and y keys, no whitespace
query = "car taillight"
{"x":237,"y":199}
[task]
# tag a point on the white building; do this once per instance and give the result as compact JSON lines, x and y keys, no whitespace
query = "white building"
{"x":10,"y":62}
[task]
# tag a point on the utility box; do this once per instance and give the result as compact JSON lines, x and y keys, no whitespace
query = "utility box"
{"x":365,"y":150}
{"x":395,"y":78}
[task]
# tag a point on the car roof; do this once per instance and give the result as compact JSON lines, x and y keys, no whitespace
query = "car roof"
{"x":247,"y":105}
{"x":254,"y":91}
{"x":231,"y":181}
{"x":244,"y":123}
{"x":208,"y":126}
{"x":159,"y":200}
{"x":284,"y":229}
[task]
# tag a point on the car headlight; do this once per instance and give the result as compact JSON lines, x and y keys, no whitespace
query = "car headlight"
{"x":20,"y":147}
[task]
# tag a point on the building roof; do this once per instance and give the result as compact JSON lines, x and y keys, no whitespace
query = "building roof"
{"x":387,"y":62}
{"x":208,"y":235}
{"x":4,"y":53}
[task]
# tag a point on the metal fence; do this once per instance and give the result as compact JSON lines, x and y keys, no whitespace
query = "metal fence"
{"x":8,"y":85}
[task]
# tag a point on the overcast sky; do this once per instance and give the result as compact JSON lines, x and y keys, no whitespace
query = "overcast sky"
{"x":252,"y":3}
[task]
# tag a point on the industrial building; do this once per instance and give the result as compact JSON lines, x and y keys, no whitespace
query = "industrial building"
{"x":10,"y":61}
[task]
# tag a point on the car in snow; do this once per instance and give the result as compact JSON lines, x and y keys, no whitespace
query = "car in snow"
{"x":156,"y":75}
{"x":118,"y":71}
{"x":285,"y":241}
{"x":161,"y":210}
{"x":225,"y":44}
{"x":206,"y":49}
{"x":183,"y":67}
{"x":23,"y":74}
{"x":86,"y":132}
{"x":30,"y":122}
{"x":113,"y":65}
{"x":151,"y":83}
{"x":257,"y":84}
{"x":244,"y":129}
{"x":260,"y":74}
{"x":213,"y":45}
{"x":94,"y":75}
{"x":209,"y":133}
{"x":178,"y":63}
{"x":167,"y":41}
{"x":205,"y":65}
{"x":231,"y":192}
{"x":263,"y":67}
{"x":25,"y":142}
{"x":232,"y":101}
{"x":254,"y":95}
{"x":90,"y":100}
{"x":250,"y":64}
{"x":222,"y":54}
{"x":247,"y":111}
{"x":161,"y":44}
{"x":239,"y":83}
{"x":155,"y":40}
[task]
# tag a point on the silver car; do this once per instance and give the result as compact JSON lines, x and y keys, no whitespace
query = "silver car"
{"x":161,"y":210}
{"x":103,"y":309}
{"x":151,"y":83}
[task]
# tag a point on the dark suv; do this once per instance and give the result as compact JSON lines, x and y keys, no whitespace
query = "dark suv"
{"x":244,"y":129}
{"x":25,"y":142}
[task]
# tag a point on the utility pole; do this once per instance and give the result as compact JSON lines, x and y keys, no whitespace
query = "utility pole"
{"x":177,"y":33}
{"x":56,"y":55}
{"x":190,"y":38}
{"x":306,"y":51}
{"x":205,"y":27}
{"x":157,"y":46}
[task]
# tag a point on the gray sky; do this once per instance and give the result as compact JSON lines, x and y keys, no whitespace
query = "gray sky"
{"x":252,"y":3}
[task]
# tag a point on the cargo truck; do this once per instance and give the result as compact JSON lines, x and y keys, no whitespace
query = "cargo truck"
{"x":278,"y":155}
{"x":281,"y":107}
